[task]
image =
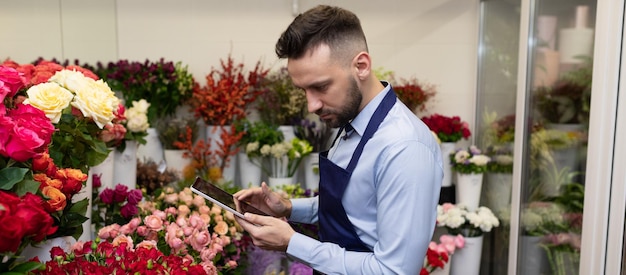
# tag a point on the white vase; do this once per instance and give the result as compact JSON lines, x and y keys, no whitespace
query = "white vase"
{"x":105,"y":170}
{"x":311,"y":171}
{"x":213,"y":134}
{"x":249,"y":172}
{"x":153,"y":149}
{"x":497,"y":191}
{"x":85,"y":193}
{"x":42,"y":250}
{"x":277,"y":182}
{"x":446,"y":149}
{"x":533,"y":258}
{"x":467,"y":259}
{"x":468,"y":188}
{"x":126,"y":166}
{"x":175,"y":161}
{"x":288,"y":132}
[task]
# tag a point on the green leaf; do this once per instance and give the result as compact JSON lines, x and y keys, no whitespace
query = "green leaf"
{"x":9,"y":176}
{"x":80,"y":206}
{"x":26,"y":267}
{"x":27,"y":186}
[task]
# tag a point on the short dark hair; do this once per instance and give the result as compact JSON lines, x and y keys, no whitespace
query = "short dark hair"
{"x":338,"y":28}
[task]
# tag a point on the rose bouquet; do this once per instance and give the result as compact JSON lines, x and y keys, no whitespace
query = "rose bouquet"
{"x":118,"y":256}
{"x":129,"y":124}
{"x":469,"y":161}
{"x":448,"y":129}
{"x":457,"y":219}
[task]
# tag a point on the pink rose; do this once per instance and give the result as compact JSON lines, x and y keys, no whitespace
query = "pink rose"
{"x":187,"y":231}
{"x":196,"y":222}
{"x":32,"y":132}
{"x":183,"y":210}
{"x":153,"y":222}
{"x":207,"y":254}
{"x":162,"y":215}
{"x":142,"y":230}
{"x":171,"y":198}
{"x":146,"y":244}
{"x":200,"y":240}
{"x":106,"y":196}
{"x":134,"y":196}
{"x":204,"y":210}
{"x":120,"y":193}
{"x":176,"y":244}
{"x":11,"y":81}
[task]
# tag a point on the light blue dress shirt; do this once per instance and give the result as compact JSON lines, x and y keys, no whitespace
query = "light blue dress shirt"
{"x":391,"y":198}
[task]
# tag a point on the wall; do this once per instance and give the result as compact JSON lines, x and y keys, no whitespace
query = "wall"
{"x":435,"y":41}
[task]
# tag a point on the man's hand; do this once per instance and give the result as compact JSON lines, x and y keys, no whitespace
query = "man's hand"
{"x":267,"y":232}
{"x":265,"y":200}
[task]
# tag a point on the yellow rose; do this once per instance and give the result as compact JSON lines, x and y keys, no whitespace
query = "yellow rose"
{"x":50,"y":98}
{"x":57,"y":200}
{"x":96,"y":101}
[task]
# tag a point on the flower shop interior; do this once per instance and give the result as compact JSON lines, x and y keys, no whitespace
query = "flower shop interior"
{"x":197,"y":90}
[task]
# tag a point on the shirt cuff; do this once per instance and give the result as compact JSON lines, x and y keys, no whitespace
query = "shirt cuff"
{"x":304,"y":210}
{"x":300,"y":246}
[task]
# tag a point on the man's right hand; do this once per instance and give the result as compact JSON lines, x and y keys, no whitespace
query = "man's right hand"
{"x":265,"y":200}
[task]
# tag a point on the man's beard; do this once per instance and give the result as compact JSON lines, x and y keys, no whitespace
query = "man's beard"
{"x":350,"y":110}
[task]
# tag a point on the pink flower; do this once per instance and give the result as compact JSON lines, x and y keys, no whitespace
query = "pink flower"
{"x":196,"y":222}
{"x":187,"y":231}
{"x":142,"y":231}
{"x":106,"y":196}
{"x":204,"y":210}
{"x":26,"y":132}
{"x":171,"y":211}
{"x":153,"y":222}
{"x":171,"y":198}
{"x":176,"y":244}
{"x":199,"y":201}
{"x":200,"y":240}
{"x":134,"y":196}
{"x":11,"y":81}
{"x":207,"y":254}
{"x":110,"y":231}
{"x":129,"y":210}
{"x":162,"y":215}
{"x":120,"y":193}
{"x":120,"y":239}
{"x":146,"y":244}
{"x":183,"y":210}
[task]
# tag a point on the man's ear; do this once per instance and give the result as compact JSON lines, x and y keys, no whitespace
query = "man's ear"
{"x":362,"y":65}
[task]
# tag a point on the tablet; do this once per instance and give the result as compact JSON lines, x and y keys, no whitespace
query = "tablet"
{"x":222,"y":198}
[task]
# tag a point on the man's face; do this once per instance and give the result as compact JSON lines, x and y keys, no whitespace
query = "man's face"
{"x":331,"y":89}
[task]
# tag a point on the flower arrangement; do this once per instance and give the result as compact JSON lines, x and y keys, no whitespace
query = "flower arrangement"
{"x":117,"y":256}
{"x":448,"y":129}
{"x":281,"y":103}
{"x":129,"y":124}
{"x":227,"y":93}
{"x":173,"y":131}
{"x":541,"y":218}
{"x":469,"y":161}
{"x":118,"y":205}
{"x":314,"y":131}
{"x":414,"y":93}
{"x":457,"y":219}
{"x":256,"y":135}
{"x":438,"y":254}
{"x":183,"y":224}
{"x":501,"y":160}
{"x":168,"y":85}
{"x":285,"y":157}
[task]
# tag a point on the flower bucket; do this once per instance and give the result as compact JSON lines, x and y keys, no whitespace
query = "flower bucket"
{"x":175,"y":161}
{"x":468,"y":188}
{"x":126,"y":166}
{"x":467,"y":259}
{"x":446,"y":149}
{"x":288,"y":132}
{"x":42,"y":250}
{"x":105,"y":170}
{"x":153,"y":149}
{"x":249,"y":173}
{"x":533,"y":259}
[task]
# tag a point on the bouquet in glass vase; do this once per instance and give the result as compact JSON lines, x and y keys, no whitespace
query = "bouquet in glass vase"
{"x":457,"y":219}
{"x":448,"y":129}
{"x":285,"y":157}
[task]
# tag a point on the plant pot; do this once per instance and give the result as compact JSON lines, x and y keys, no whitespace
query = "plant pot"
{"x":311,"y":171}
{"x":533,"y":258}
{"x":497,"y":191}
{"x":105,"y":170}
{"x":468,"y":188}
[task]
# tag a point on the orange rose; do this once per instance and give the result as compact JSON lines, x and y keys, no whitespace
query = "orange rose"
{"x":57,"y":200}
{"x":46,"y":181}
{"x":72,"y":180}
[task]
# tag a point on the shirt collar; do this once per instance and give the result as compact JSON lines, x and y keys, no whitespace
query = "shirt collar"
{"x":359,"y":123}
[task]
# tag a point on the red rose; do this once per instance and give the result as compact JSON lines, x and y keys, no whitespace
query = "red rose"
{"x":37,"y":222}
{"x":10,"y":82}
{"x":120,"y":193}
{"x":72,"y":180}
{"x":129,"y":210}
{"x":11,"y":234}
{"x":44,"y":163}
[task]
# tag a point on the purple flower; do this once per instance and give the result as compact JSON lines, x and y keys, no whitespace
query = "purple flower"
{"x":120,"y":193}
{"x":107,"y":196}
{"x":134,"y":196}
{"x":298,"y":268}
{"x":128,"y":210}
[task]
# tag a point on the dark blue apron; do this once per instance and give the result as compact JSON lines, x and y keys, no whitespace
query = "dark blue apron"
{"x":334,"y":225}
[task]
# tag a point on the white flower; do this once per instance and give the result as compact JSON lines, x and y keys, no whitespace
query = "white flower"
{"x":50,"y":98}
{"x":141,"y":105}
{"x":252,"y":147}
{"x":503,"y":159}
{"x":461,"y":156}
{"x":266,"y":149}
{"x":480,"y":160}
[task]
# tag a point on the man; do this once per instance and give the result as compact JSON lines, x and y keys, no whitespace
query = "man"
{"x":379,"y":182}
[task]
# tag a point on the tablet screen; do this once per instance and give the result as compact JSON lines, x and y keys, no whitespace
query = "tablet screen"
{"x":222,"y":198}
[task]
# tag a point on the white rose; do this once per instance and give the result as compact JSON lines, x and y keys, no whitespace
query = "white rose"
{"x":480,"y":160}
{"x":141,"y":106}
{"x":461,"y":156}
{"x":95,"y":100}
{"x":136,"y":121}
{"x":50,"y":98}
